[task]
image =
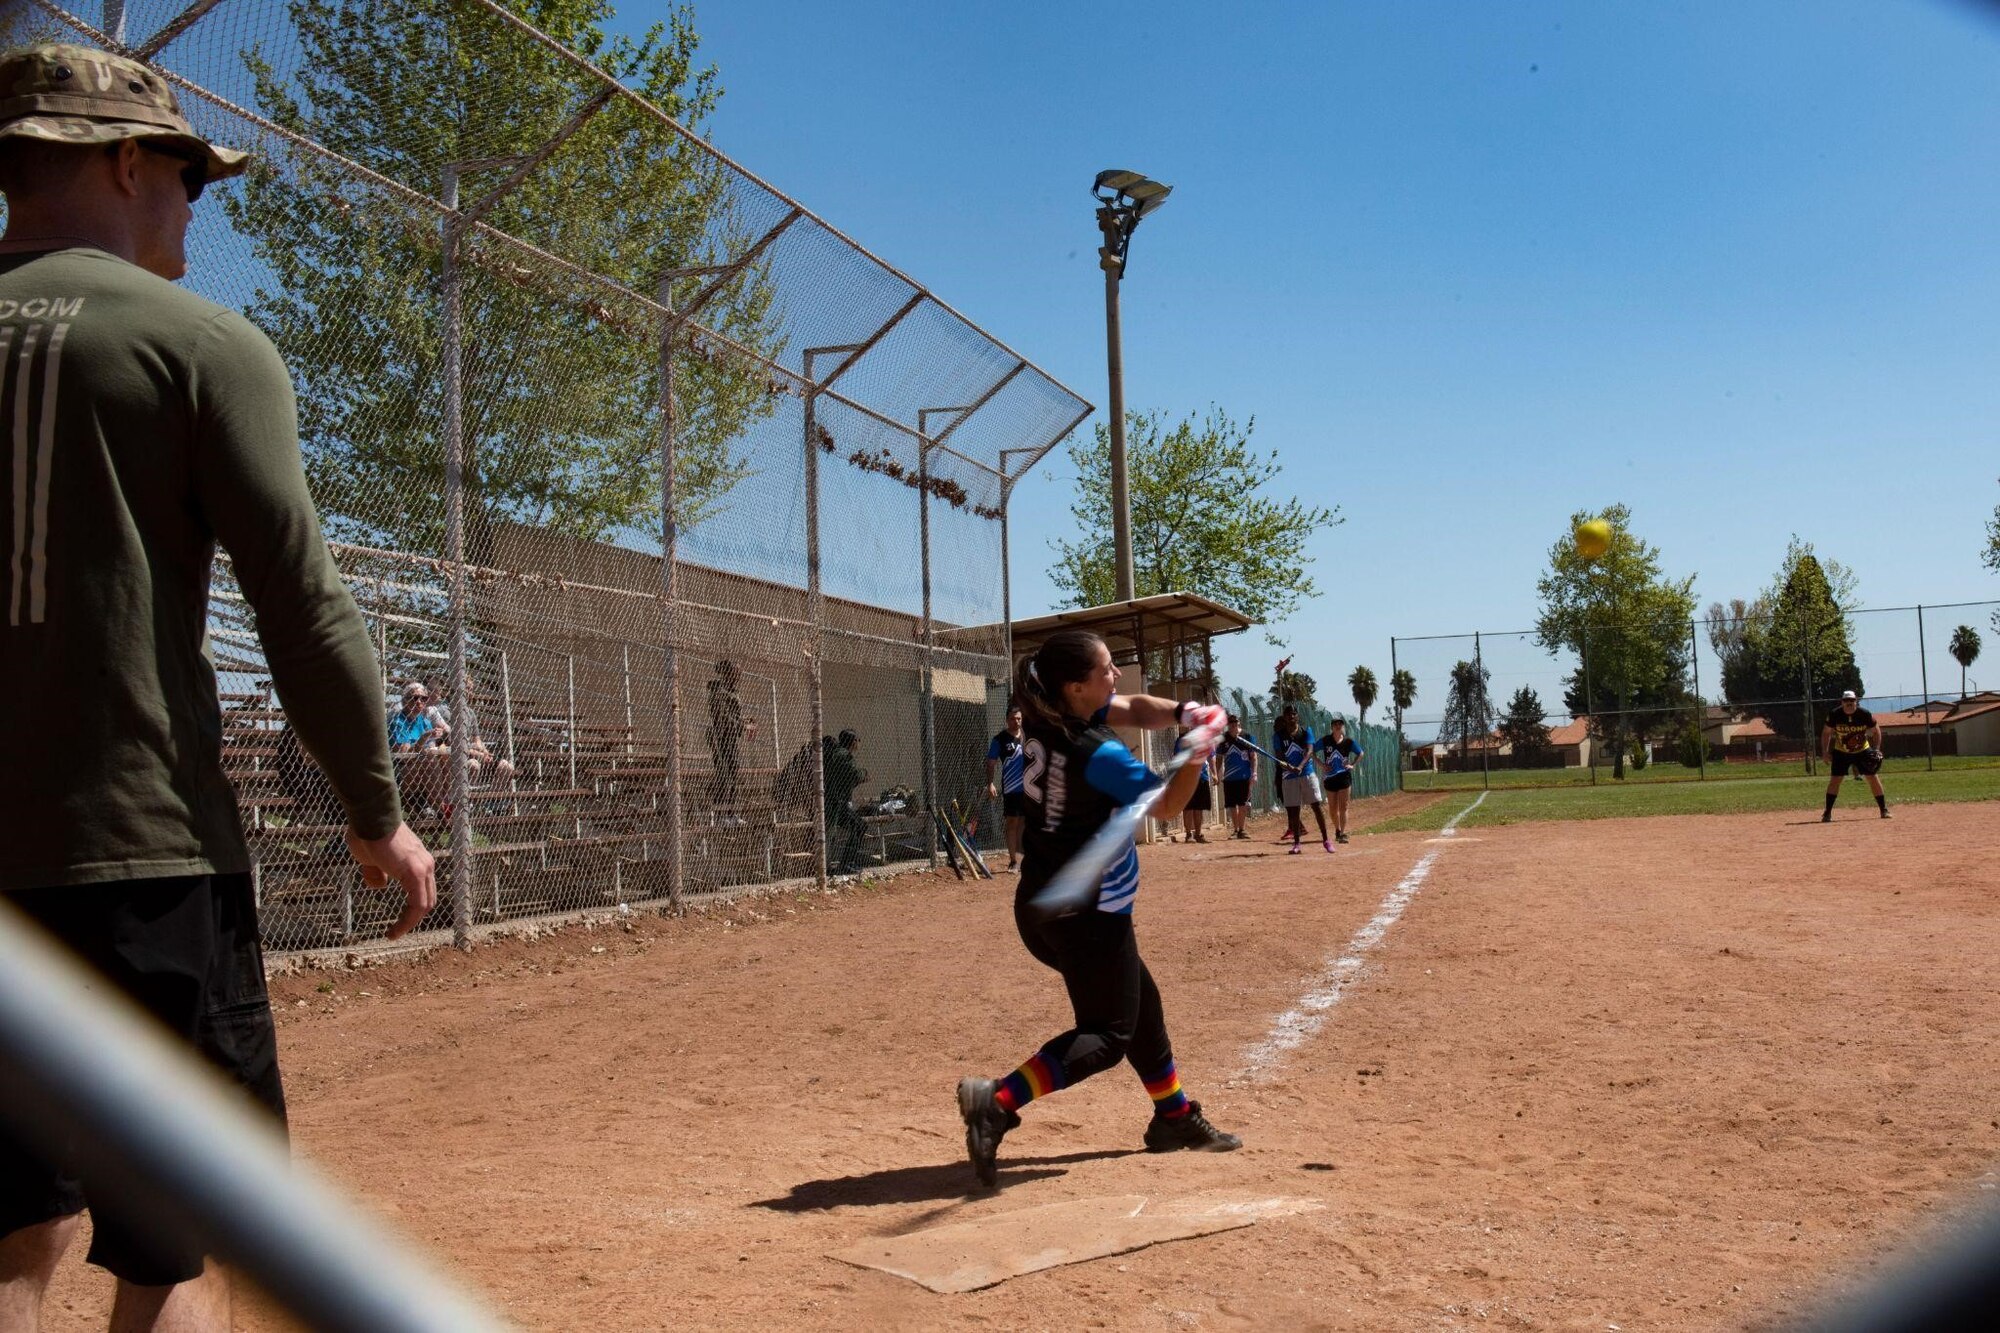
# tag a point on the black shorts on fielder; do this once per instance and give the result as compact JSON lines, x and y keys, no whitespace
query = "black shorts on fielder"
{"x":1014,"y":805}
{"x":1202,"y":798}
{"x":1339,"y":781}
{"x":1857,"y":762}
{"x":1235,"y":792}
{"x":186,"y":950}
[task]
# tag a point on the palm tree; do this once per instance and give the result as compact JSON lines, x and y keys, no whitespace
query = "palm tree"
{"x":1964,"y":647}
{"x":1362,"y":683}
{"x":1402,"y":693}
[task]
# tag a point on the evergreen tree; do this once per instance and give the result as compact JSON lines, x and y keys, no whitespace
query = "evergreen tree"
{"x":1524,"y":727}
{"x":1468,"y":710}
{"x":1806,"y":654}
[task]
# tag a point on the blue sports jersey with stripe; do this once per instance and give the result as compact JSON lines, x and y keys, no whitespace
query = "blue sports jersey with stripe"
{"x":1007,"y":748}
{"x":1237,"y":760}
{"x":1072,"y":783}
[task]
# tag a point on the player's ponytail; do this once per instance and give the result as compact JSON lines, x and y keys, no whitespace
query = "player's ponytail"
{"x":1065,"y":657}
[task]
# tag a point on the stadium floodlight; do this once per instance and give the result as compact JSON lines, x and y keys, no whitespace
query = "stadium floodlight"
{"x":1123,"y":197}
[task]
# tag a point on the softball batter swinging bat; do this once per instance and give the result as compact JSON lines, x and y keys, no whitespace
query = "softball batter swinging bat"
{"x":1074,"y":887}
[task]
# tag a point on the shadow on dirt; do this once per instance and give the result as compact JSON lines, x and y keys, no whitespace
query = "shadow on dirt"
{"x":924,"y":1184}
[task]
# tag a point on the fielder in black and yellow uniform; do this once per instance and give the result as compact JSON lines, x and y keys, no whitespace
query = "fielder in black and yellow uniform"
{"x":1850,"y":739}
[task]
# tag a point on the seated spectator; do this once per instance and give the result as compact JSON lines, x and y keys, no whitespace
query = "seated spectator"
{"x":463,"y":727}
{"x":416,"y":731}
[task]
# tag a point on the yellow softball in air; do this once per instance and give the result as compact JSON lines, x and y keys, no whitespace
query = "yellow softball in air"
{"x":1593,"y":538}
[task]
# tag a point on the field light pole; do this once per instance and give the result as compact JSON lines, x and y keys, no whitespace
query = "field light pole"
{"x":1124,"y":197}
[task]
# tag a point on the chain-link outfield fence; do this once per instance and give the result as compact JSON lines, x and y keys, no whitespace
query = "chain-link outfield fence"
{"x":1374,"y":776}
{"x":656,"y":481}
{"x":1699,"y":700}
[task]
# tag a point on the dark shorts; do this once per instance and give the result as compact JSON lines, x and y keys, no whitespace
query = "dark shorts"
{"x":1014,"y":804}
{"x":1843,"y":764}
{"x":1339,"y":781}
{"x":186,"y":950}
{"x":1235,"y":792}
{"x":1202,"y":798}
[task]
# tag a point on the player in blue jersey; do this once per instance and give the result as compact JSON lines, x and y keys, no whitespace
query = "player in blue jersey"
{"x":1298,"y":782}
{"x":1239,"y":771}
{"x":1338,"y":757}
{"x":1077,"y":773}
{"x":1004,"y":764}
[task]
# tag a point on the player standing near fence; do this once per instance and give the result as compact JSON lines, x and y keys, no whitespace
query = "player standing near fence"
{"x":147,"y":425}
{"x":1338,"y":756}
{"x":1200,"y":800}
{"x":1851,"y":738}
{"x":1077,"y":774}
{"x":1239,"y":771}
{"x":1003,"y":783}
{"x":1298,"y":784}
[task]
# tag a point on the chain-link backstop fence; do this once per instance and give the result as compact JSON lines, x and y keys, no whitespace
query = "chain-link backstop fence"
{"x":1716,"y":697}
{"x":684,"y":515}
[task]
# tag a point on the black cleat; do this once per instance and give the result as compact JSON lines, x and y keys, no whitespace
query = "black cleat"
{"x":1826,"y":818}
{"x":986,"y":1122}
{"x":1190,"y":1132}
{"x":1886,"y":814}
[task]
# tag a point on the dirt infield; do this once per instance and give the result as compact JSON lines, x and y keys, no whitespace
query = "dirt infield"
{"x":1665,"y":1073}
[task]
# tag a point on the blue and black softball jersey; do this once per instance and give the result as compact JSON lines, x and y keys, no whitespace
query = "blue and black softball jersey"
{"x":1336,"y":756}
{"x":1072,"y":784}
{"x":1007,"y":747}
{"x":1238,"y":759}
{"x":1296,"y":750}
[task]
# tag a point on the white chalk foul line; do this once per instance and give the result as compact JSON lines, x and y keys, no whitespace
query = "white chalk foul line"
{"x":1302,"y":1022}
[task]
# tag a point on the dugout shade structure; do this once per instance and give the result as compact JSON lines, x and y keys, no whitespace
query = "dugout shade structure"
{"x":657,"y":479}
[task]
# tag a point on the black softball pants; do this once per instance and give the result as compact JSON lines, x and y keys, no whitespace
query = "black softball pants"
{"x":1117,"y":1006}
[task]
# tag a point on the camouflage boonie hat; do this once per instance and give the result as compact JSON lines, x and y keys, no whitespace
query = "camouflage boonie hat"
{"x":77,"y":94}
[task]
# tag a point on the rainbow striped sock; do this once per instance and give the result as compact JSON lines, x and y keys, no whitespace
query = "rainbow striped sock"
{"x":1165,"y":1090}
{"x":1039,"y":1077}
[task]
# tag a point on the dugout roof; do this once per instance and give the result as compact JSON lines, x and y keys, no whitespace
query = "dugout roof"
{"x":1165,"y":620}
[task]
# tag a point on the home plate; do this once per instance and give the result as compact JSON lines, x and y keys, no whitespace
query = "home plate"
{"x":965,"y":1256}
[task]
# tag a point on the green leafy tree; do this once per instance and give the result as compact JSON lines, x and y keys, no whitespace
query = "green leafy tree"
{"x":1964,"y":649}
{"x":1627,"y":623}
{"x":1201,"y":519}
{"x":1361,"y":684}
{"x":1524,"y":727}
{"x":1807,"y":648}
{"x":560,"y":400}
{"x":1468,"y":710}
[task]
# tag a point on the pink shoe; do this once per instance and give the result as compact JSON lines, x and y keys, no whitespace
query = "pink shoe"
{"x":1327,"y":845}
{"x":1294,"y":851}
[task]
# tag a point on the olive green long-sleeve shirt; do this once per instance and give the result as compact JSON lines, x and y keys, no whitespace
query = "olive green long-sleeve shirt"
{"x":139,"y":426}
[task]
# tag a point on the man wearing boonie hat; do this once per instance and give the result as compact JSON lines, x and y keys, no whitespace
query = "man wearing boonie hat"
{"x":1851,"y":739}
{"x":140,"y":426}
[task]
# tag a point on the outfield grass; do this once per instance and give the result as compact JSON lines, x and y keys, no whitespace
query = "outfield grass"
{"x":1661,"y":772}
{"x":1609,"y":800}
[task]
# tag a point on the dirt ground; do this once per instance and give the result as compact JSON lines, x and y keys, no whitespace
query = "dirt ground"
{"x":1668,"y":1073}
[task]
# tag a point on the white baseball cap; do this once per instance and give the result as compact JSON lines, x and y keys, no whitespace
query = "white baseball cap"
{"x":1849,"y":694}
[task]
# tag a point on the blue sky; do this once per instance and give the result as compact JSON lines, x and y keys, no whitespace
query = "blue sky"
{"x":1471,"y":267}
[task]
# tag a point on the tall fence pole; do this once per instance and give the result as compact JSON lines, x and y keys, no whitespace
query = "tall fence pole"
{"x":1805,"y":690}
{"x":670,"y":689}
{"x":1589,"y":705}
{"x":1700,"y":713}
{"x":1402,"y":746}
{"x":1924,"y":669}
{"x":816,"y":613}
{"x":929,"y":728}
{"x":454,"y":554}
{"x":1485,"y":731}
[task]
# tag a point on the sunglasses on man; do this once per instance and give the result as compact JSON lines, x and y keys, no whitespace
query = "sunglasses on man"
{"x":194,"y":174}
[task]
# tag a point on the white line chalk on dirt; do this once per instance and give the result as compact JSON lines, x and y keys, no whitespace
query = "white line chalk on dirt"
{"x":1302,"y":1022}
